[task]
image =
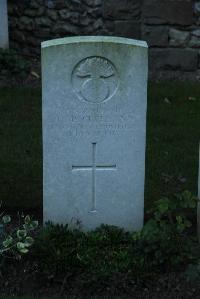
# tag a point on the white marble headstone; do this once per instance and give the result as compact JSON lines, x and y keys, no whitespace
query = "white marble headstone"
{"x":94,"y":127}
{"x":3,"y":24}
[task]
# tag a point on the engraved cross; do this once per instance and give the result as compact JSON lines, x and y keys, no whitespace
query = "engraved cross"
{"x":94,"y":167}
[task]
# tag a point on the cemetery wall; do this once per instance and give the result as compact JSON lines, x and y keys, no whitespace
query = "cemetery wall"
{"x":171,"y":28}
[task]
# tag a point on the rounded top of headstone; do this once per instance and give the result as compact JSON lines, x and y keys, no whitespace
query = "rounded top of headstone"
{"x":94,"y":39}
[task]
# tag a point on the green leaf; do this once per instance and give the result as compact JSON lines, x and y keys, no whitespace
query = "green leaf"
{"x":29,"y":241}
{"x":179,"y":219}
{"x":21,"y":233}
{"x":33,"y":225}
{"x":163,"y":206}
{"x":24,"y":250}
{"x":8,"y":242}
{"x":6,"y":219}
{"x":22,"y":247}
{"x":27,"y":219}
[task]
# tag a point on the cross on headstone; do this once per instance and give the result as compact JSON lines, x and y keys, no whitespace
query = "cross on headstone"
{"x":94,"y":167}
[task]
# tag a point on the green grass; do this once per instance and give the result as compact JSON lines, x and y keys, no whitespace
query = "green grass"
{"x":173,"y":134}
{"x":21,"y":148}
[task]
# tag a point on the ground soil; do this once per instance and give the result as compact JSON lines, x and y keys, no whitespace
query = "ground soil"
{"x":23,"y":278}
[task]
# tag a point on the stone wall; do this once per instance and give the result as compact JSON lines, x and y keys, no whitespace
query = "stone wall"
{"x":171,"y":28}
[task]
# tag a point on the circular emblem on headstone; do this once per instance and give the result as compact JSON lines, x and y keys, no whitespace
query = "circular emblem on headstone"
{"x":95,"y":79}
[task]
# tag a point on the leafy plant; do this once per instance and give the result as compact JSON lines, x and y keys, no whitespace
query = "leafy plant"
{"x":16,"y":239}
{"x":165,"y":239}
{"x":165,"y":242}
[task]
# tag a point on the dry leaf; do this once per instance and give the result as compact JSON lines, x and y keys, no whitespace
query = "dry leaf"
{"x":167,"y":101}
{"x":34,"y":74}
{"x":191,"y":98}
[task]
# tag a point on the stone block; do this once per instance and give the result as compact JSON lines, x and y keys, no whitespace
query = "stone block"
{"x":43,"y":33}
{"x":173,"y":59}
{"x":196,"y":32}
{"x":41,"y":11}
{"x":93,"y":3}
{"x":128,"y":29}
{"x":178,"y":38}
{"x":34,"y":4}
{"x":52,"y":14}
{"x":154,"y":21}
{"x":194,"y":42}
{"x":25,"y":20}
{"x":197,"y":8}
{"x":94,"y":12}
{"x":175,"y":75}
{"x":85,"y":20}
{"x":30,"y":12}
{"x":155,"y":35}
{"x":43,"y":22}
{"x":122,"y":10}
{"x":64,"y":14}
{"x":63,"y":28}
{"x":26,"y":23}
{"x":18,"y":36}
{"x":33,"y":41}
{"x":51,"y":4}
{"x":74,"y":18}
{"x":98,"y":24}
{"x":110,"y":26}
{"x":173,"y":12}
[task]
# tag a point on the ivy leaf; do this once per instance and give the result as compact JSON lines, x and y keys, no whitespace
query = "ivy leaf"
{"x":21,"y":233}
{"x":24,"y":250}
{"x":29,"y":241}
{"x":22,"y":247}
{"x":8,"y":241}
{"x":179,"y":219}
{"x":33,"y":225}
{"x":163,"y":205}
{"x":27,"y":219}
{"x":6,"y":219}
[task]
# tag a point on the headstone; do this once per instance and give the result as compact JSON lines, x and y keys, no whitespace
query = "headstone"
{"x":3,"y":24}
{"x":94,"y":127}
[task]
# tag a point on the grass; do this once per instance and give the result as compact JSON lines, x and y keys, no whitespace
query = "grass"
{"x":21,"y":148}
{"x":173,"y":134}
